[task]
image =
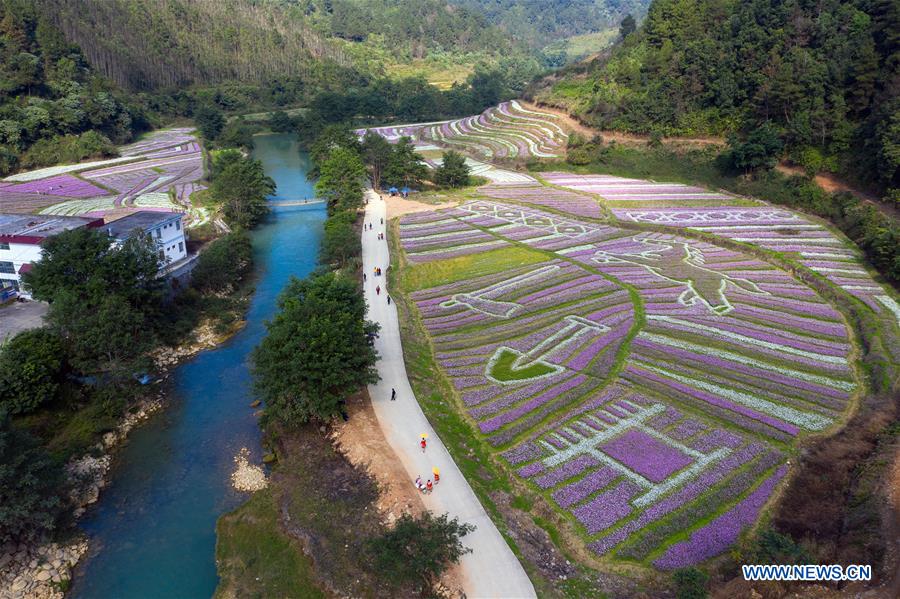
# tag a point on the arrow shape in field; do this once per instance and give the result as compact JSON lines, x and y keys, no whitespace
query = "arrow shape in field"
{"x":509,"y":365}
{"x":480,"y":301}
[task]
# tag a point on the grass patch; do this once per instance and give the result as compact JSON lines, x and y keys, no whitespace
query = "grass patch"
{"x":439,"y":272}
{"x":256,"y":559}
{"x":503,"y":370}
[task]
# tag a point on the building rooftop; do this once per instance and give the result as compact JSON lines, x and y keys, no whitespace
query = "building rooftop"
{"x":145,"y":219}
{"x":32,"y":228}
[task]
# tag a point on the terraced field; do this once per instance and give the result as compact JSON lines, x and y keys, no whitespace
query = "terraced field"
{"x":156,"y":173}
{"x":506,"y":131}
{"x":651,"y":386}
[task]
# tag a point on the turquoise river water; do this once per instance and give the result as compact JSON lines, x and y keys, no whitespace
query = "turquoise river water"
{"x":152,"y":534}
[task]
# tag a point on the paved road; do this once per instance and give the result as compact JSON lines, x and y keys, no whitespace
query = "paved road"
{"x":17,"y":317}
{"x":491,"y":570}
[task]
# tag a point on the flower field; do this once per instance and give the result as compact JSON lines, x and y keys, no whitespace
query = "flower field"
{"x":505,"y":131}
{"x":149,"y":172}
{"x":810,"y":243}
{"x":538,"y":195}
{"x":648,"y":385}
{"x":618,"y":191}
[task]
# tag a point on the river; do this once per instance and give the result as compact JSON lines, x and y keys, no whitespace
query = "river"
{"x":152,"y":534}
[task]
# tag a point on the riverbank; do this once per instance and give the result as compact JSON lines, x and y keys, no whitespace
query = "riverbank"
{"x":44,"y":570}
{"x":334,"y":487}
{"x":153,"y":531}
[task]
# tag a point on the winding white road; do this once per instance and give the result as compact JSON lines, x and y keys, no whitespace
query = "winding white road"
{"x":491,"y":570}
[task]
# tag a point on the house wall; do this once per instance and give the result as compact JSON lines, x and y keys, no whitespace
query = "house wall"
{"x":18,"y":254}
{"x":169,"y":237}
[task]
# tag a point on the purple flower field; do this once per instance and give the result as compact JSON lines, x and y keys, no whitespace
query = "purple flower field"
{"x":505,"y":131}
{"x":164,"y":161}
{"x":623,"y":427}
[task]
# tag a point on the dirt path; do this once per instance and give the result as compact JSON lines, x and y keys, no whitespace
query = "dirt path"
{"x":397,"y":206}
{"x":832,"y":184}
{"x":628,"y":139}
{"x":491,"y":570}
{"x":361,"y":441}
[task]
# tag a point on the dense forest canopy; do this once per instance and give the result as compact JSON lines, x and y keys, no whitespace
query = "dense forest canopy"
{"x":53,"y":105}
{"x":540,"y":22}
{"x":149,"y":44}
{"x":825,"y":73}
{"x":152,"y":44}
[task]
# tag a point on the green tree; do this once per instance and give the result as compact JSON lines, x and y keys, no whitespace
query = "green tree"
{"x":317,"y":351}
{"x":376,"y":153}
{"x":281,"y":122}
{"x":329,"y":139}
{"x":690,"y":583}
{"x":104,"y":299}
{"x":340,"y":241}
{"x":30,"y":500}
{"x":224,"y":263}
{"x":83,"y":259}
{"x":222,"y":159}
{"x":237,"y":134}
{"x":453,"y":171}
{"x":242,"y":188}
{"x":342,"y":177}
{"x":627,"y":26}
{"x":31,"y":368}
{"x":405,"y":168}
{"x":759,"y":150}
{"x":210,"y":121}
{"x":419,"y":550}
{"x":103,"y":333}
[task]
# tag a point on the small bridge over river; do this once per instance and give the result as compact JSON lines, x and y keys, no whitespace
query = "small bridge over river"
{"x":298,"y":202}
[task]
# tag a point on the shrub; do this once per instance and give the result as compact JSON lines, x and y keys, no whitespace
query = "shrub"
{"x":224,"y":264}
{"x":31,"y":366}
{"x":340,"y":242}
{"x":319,"y":349}
{"x":30,"y":483}
{"x":453,"y":171}
{"x":418,"y":550}
{"x":759,"y":150}
{"x":690,"y":583}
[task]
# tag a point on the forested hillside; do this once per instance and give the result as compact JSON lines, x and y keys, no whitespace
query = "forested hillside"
{"x":152,"y":44}
{"x":825,"y":74}
{"x":540,"y":22}
{"x":149,"y":44}
{"x":53,"y":106}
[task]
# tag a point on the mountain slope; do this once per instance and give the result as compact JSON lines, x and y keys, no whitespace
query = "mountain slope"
{"x":540,"y":22}
{"x":152,"y":44}
{"x":826,"y":74}
{"x":53,"y":105}
{"x":148,"y":44}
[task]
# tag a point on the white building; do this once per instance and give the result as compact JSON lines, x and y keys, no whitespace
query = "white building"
{"x":21,"y":236}
{"x":164,"y":228}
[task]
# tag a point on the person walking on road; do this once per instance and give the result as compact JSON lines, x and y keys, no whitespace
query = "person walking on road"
{"x":428,"y":486}
{"x":389,"y":299}
{"x":423,"y":444}
{"x":364,"y":277}
{"x":437,"y":474}
{"x":393,"y":394}
{"x":378,"y":290}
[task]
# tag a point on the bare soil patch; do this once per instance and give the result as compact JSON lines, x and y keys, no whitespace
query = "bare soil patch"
{"x":627,"y":139}
{"x":397,"y":206}
{"x":362,"y":442}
